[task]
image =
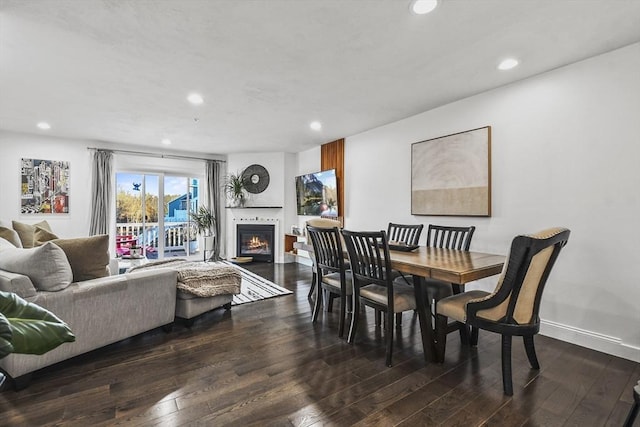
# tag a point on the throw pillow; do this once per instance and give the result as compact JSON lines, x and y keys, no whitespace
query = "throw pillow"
{"x":88,"y":256}
{"x":41,"y":235}
{"x":26,"y":231}
{"x":11,"y":236}
{"x":46,"y":266}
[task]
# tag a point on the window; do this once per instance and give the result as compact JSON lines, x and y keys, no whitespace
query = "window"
{"x":152,"y":212}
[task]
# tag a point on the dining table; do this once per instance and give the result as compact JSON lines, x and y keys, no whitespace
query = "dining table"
{"x":448,"y":265}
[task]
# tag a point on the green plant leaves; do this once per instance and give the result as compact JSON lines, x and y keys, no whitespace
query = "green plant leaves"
{"x":32,"y":329}
{"x":5,"y":337}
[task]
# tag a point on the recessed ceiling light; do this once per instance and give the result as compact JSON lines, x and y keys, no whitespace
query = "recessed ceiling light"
{"x":315,"y":125}
{"x":508,"y":64}
{"x":44,"y":126}
{"x":195,"y":98}
{"x":166,"y":141}
{"x":422,"y":7}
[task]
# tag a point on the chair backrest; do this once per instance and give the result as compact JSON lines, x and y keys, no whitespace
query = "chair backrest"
{"x":408,"y":234}
{"x":369,"y":257}
{"x":516,"y":299}
{"x":440,"y":236}
{"x":327,"y":248}
{"x":324,"y":223}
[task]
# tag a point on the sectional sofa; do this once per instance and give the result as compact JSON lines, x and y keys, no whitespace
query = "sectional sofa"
{"x":71,"y":278}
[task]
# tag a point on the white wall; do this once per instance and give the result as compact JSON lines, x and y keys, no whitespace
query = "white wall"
{"x":565,"y":152}
{"x":15,"y":146}
{"x":276,"y":198}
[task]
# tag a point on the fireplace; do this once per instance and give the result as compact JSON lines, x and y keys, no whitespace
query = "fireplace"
{"x":255,"y":240}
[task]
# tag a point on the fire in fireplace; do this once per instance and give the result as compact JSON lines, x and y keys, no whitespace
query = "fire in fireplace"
{"x":255,"y":240}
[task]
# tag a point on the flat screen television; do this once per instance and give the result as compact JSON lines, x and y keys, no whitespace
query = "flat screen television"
{"x":317,"y":193}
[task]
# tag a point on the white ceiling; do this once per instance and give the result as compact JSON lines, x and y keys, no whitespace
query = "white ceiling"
{"x":120,"y":70}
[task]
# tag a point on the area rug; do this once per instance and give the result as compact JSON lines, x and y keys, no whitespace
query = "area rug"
{"x":255,"y":288}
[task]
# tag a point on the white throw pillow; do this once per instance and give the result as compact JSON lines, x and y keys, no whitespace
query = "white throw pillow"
{"x":47,"y":265}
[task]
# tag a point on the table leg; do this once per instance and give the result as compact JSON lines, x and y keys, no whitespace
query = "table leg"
{"x":424,"y":315}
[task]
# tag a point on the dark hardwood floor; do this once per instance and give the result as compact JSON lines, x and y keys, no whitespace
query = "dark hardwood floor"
{"x":266,"y":364}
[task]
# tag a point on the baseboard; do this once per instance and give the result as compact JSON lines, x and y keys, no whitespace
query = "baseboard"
{"x":589,"y":339}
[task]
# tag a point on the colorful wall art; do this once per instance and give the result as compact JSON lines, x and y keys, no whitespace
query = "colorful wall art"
{"x":44,"y":187}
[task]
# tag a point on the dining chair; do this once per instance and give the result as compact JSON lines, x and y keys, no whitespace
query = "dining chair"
{"x":372,"y":282}
{"x":321,"y":223}
{"x":635,"y":408}
{"x":404,"y":234}
{"x":449,"y":237}
{"x":512,"y":308}
{"x":332,"y":276}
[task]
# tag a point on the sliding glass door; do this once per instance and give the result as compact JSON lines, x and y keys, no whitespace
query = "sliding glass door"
{"x":152,"y":215}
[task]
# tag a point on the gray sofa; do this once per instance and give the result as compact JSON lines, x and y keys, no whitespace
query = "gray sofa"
{"x":76,"y":281}
{"x":99,"y":312}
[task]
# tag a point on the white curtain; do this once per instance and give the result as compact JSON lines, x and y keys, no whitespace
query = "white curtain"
{"x":212,"y":193}
{"x":101,"y":185}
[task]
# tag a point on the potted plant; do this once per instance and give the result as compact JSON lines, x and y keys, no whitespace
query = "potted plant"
{"x":203,"y":223}
{"x":203,"y":220}
{"x":235,"y":189}
{"x":28,"y":328}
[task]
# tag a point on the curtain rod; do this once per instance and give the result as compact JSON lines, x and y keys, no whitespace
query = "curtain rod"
{"x":162,"y":156}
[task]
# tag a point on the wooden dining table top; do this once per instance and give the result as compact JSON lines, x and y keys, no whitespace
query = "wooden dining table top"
{"x":449,"y":265}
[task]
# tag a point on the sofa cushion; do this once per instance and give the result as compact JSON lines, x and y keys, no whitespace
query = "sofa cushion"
{"x":19,"y":284}
{"x":41,"y":235}
{"x":46,"y":265}
{"x":26,"y":231}
{"x":11,"y":236}
{"x":88,"y":256}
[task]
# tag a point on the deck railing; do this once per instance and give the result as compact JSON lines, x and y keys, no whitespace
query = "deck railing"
{"x":176,"y":234}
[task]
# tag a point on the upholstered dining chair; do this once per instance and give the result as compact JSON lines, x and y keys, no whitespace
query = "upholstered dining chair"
{"x":320,"y":223}
{"x":512,"y":308}
{"x":373,"y":284}
{"x":330,"y":271}
{"x":449,"y":237}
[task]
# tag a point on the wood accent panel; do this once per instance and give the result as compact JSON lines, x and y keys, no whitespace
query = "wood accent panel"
{"x":332,"y":157}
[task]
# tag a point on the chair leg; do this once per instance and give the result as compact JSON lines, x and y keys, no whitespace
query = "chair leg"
{"x":343,"y":313}
{"x":531,"y":351}
{"x":463,"y":330}
{"x":474,"y":336}
{"x":441,"y":337}
{"x":329,"y":296}
{"x":631,"y":417}
{"x":354,"y":320}
{"x":633,"y":413}
{"x":378,"y":317}
{"x":507,"y":383}
{"x":314,"y":278}
{"x":318,"y":304}
{"x":389,"y":332}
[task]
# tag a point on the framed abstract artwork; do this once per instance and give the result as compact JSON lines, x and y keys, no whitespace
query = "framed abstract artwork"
{"x":451,"y":175}
{"x":44,"y":186}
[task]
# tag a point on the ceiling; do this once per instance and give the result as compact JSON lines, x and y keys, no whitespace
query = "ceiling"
{"x":120,"y":70}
